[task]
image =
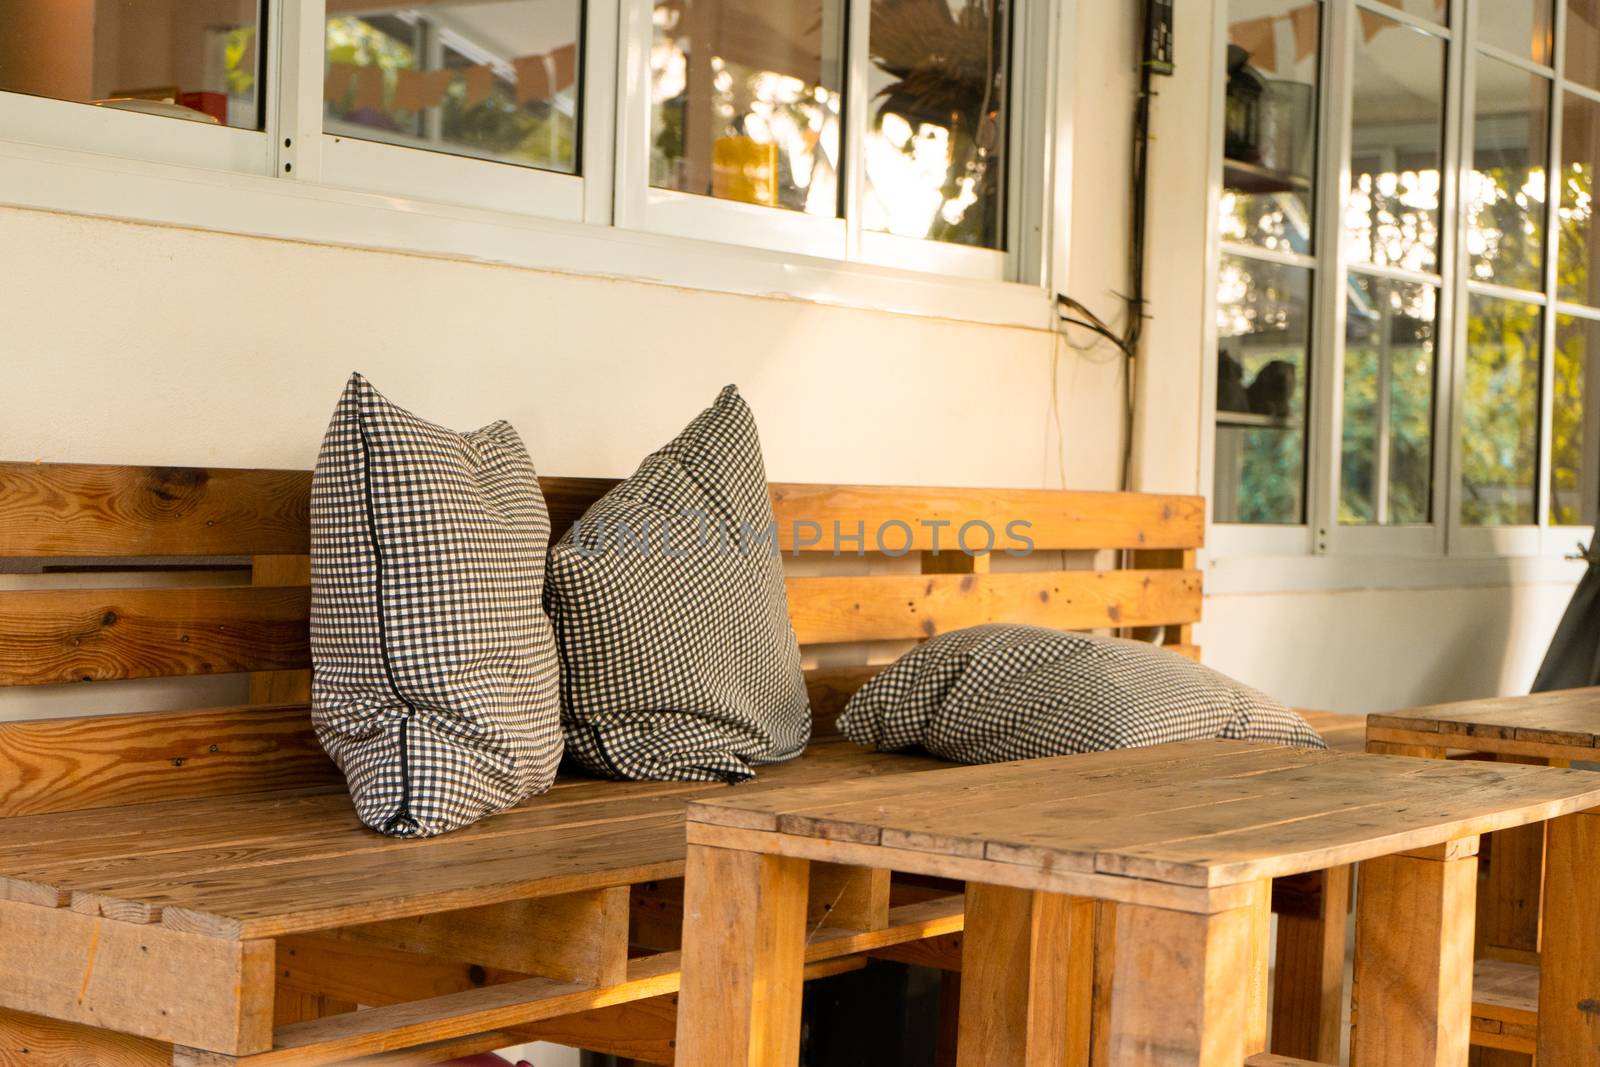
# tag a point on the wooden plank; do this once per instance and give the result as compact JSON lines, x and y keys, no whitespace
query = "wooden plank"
{"x":1413,"y":979}
{"x":50,"y":509}
{"x":51,"y":636}
{"x":280,"y":687}
{"x":644,"y":1031}
{"x":744,"y":943}
{"x":1308,"y":998}
{"x":1569,"y":980}
{"x":1509,"y":897}
{"x":1058,"y":519}
{"x":890,"y":607}
{"x":1567,"y":718}
{"x":375,"y":976}
{"x":35,"y":1041}
{"x":579,"y":937}
{"x":146,"y":981}
{"x":1015,"y":979}
{"x":1182,"y":988}
{"x":1258,"y":964}
{"x":1505,"y":1013}
{"x":848,"y":898}
{"x":55,"y":765}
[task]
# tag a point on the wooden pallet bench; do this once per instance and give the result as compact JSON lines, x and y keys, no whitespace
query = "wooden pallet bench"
{"x":1560,"y":729}
{"x":1184,"y":839}
{"x":192,"y":886}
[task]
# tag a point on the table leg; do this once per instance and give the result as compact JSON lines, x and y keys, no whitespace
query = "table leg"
{"x":1569,"y":974}
{"x":1183,"y":987}
{"x":1017,"y":978}
{"x":1413,"y":970}
{"x":744,"y":934}
{"x":1308,"y":995}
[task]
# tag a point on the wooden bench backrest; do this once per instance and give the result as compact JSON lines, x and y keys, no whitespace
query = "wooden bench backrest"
{"x":83,"y":515}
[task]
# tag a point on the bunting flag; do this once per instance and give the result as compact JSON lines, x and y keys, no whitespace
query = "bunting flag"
{"x":1259,"y":38}
{"x":565,"y":61}
{"x":533,"y":79}
{"x":1372,"y":24}
{"x":1305,"y":22}
{"x":480,"y":82}
{"x":408,"y":94}
{"x":369,"y":89}
{"x":336,"y":82}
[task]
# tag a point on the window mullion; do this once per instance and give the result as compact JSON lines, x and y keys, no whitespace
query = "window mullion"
{"x":601,"y":107}
{"x":1449,"y":422}
{"x":294,"y":118}
{"x":1544,"y":482}
{"x":857,"y":104}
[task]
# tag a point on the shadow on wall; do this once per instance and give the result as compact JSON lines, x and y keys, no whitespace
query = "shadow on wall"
{"x":1359,"y":651}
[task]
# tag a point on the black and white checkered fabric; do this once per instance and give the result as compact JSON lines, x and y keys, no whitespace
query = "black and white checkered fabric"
{"x":1000,"y":692}
{"x":678,"y":660}
{"x":435,"y":685}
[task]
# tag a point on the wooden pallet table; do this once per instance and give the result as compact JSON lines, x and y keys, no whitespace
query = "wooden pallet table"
{"x":1181,"y":840}
{"x":1516,"y":908}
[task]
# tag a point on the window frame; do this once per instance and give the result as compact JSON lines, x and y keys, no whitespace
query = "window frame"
{"x":1445,"y":535}
{"x":82,"y":160}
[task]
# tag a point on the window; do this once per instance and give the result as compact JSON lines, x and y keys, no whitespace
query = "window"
{"x":912,"y":134}
{"x":1444,"y":341}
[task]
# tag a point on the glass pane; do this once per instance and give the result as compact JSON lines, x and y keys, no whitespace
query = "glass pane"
{"x":1577,"y":272}
{"x":1271,"y":138}
{"x":1506,"y":186}
{"x":1391,"y":210}
{"x":1521,"y":27}
{"x":200,"y":62}
{"x":1432,"y":10}
{"x":1583,"y":42}
{"x":935,"y":144}
{"x":745,"y":99}
{"x":1263,"y":331}
{"x":1575,"y":490}
{"x":1500,"y":413}
{"x":496,"y":80}
{"x":1386,"y":471}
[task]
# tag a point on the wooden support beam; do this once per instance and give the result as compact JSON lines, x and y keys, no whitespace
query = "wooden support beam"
{"x":1569,"y":980}
{"x":848,"y":898}
{"x":740,"y":997}
{"x":280,"y":687}
{"x":1308,"y":983}
{"x":34,"y":1041}
{"x":1413,"y":968}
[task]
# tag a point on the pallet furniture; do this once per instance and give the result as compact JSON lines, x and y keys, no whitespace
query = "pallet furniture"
{"x":192,"y":886}
{"x":1516,"y":910}
{"x":1184,"y":838}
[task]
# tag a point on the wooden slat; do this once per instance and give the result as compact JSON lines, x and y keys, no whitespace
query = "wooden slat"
{"x":86,"y":510}
{"x":90,"y":635}
{"x":53,"y":765}
{"x":1565,"y":719}
{"x":280,"y":687}
{"x":35,"y":1041}
{"x":905,"y":606}
{"x":1059,"y":519}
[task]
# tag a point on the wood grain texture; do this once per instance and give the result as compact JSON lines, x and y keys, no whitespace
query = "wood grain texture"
{"x":35,"y":1041}
{"x":150,"y":982}
{"x":51,"y":636}
{"x":53,"y":765}
{"x":1569,"y":980}
{"x":743,"y":950}
{"x":280,"y":687}
{"x":1413,"y":979}
{"x":903,"y":606}
{"x":1016,"y":980}
{"x":50,"y":509}
{"x":1308,"y":999}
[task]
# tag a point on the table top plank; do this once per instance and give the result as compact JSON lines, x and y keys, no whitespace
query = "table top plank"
{"x":1568,"y":718}
{"x":1204,"y":814}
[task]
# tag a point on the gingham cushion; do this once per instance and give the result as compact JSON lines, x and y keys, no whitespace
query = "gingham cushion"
{"x":435,"y":688}
{"x":1000,"y":692}
{"x":677,"y":657}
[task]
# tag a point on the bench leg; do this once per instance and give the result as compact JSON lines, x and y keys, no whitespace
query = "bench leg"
{"x":744,"y":937}
{"x":1413,"y":969}
{"x":1308,"y":989}
{"x":1569,"y":978}
{"x":1183,"y":994}
{"x":1017,"y":979}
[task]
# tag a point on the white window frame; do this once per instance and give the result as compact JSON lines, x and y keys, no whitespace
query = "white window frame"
{"x":292,"y":180}
{"x":1446,"y":536}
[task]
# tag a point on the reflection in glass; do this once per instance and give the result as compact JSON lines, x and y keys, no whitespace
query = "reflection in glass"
{"x":163,"y":57}
{"x":745,"y":99}
{"x":1521,"y":27}
{"x":1582,"y":34}
{"x":1500,"y":413}
{"x":1391,"y":209}
{"x":1506,"y":187}
{"x":1578,"y":273}
{"x":1432,"y":10}
{"x":1270,"y":143}
{"x":934,"y":153}
{"x":496,"y":80}
{"x":1386,"y":470}
{"x":1574,"y":472}
{"x":1263,"y":328}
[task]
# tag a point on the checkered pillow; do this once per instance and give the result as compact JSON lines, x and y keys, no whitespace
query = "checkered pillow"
{"x":1000,"y":692}
{"x":435,"y":688}
{"x":678,"y":660}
